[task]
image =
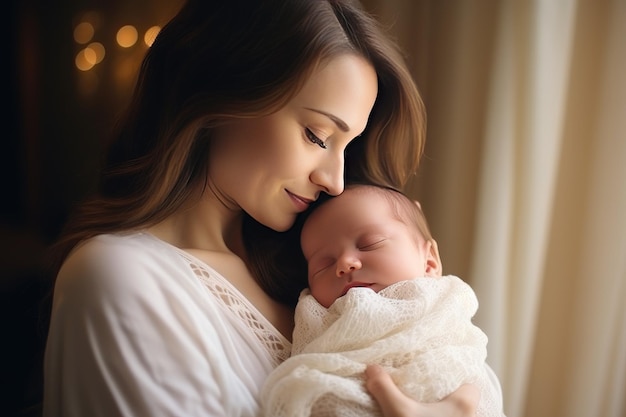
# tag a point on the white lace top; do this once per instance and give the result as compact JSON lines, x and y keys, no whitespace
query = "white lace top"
{"x":233,"y":302}
{"x":141,"y":328}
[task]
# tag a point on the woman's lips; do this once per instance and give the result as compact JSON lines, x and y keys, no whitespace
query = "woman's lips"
{"x":301,"y":203}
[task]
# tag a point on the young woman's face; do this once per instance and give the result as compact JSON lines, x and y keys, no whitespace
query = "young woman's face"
{"x":354,"y":240}
{"x":274,"y":167}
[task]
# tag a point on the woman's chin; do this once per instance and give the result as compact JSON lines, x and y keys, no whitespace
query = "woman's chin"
{"x":284,"y":224}
{"x":279,"y":224}
{"x":283,"y":227}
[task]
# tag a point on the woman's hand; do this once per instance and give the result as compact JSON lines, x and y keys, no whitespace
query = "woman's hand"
{"x":394,"y":403}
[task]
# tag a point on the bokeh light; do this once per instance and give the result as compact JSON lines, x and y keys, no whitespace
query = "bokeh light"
{"x":151,"y":35}
{"x":98,"y":50}
{"x":127,"y":36}
{"x":83,"y":32}
{"x":85,"y":59}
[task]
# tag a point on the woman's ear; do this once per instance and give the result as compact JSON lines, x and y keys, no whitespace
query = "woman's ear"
{"x":433,"y":261}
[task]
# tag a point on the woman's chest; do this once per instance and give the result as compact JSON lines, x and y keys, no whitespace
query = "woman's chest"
{"x":234,"y":270}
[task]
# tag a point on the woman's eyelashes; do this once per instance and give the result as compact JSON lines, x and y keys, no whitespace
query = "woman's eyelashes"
{"x":314,"y":139}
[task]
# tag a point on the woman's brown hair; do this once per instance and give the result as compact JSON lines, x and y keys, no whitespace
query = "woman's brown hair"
{"x":219,"y":61}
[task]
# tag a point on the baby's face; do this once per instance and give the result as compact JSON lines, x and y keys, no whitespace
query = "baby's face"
{"x":354,"y":240}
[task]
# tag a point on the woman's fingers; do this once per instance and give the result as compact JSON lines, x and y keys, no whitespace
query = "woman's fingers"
{"x":464,"y":400}
{"x":392,"y":401}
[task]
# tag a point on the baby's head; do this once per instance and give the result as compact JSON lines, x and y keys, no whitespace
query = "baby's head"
{"x":368,"y":236}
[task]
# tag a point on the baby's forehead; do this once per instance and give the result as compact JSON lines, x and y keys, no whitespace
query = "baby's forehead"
{"x":353,"y":209}
{"x":387,"y":204}
{"x":361,"y":192}
{"x":358,"y":194}
{"x":351,"y":201}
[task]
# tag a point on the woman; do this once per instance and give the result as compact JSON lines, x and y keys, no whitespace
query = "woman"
{"x":176,"y":282}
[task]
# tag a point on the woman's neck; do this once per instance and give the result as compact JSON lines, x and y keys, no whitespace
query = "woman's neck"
{"x":206,"y":225}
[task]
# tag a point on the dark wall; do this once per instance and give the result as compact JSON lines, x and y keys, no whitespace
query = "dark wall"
{"x":55,"y":119}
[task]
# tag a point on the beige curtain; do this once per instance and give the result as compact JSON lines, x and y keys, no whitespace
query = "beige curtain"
{"x":524,"y":182}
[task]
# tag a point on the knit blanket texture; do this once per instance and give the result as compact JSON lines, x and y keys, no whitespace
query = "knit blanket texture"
{"x":420,"y":331}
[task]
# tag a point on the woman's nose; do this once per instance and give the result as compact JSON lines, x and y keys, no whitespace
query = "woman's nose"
{"x":347,"y":265}
{"x":329,"y":175}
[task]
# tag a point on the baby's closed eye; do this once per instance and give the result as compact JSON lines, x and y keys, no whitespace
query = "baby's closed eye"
{"x":318,"y":265}
{"x":371,"y":243}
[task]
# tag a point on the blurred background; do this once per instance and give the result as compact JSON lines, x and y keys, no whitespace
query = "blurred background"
{"x":524,"y":176}
{"x":71,"y":67}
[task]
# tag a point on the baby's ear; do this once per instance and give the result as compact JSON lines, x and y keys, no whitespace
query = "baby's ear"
{"x":433,"y":261}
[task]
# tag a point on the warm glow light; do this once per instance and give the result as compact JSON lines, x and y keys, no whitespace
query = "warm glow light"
{"x":127,"y":36}
{"x":90,"y":56}
{"x":124,"y":71}
{"x":151,"y":35}
{"x":83,"y":32}
{"x":87,"y":83}
{"x":98,"y":50}
{"x":85,"y":59}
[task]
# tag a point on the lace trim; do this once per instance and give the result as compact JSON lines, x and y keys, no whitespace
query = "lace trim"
{"x":275,"y":343}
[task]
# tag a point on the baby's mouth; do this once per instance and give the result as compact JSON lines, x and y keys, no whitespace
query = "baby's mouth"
{"x":354,"y":285}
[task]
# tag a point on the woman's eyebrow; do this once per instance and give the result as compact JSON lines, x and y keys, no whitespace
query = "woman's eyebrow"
{"x":343,"y":126}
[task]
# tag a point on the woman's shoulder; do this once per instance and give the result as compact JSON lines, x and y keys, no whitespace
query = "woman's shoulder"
{"x":118,"y":263}
{"x":136,"y":241}
{"x":120,"y":251}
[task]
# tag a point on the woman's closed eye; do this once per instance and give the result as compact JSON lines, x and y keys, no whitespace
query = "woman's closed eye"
{"x":314,"y":139}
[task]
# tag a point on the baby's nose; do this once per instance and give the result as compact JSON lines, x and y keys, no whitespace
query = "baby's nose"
{"x":347,"y":265}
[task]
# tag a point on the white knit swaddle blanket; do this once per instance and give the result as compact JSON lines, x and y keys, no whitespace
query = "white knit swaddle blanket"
{"x":420,"y":331}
